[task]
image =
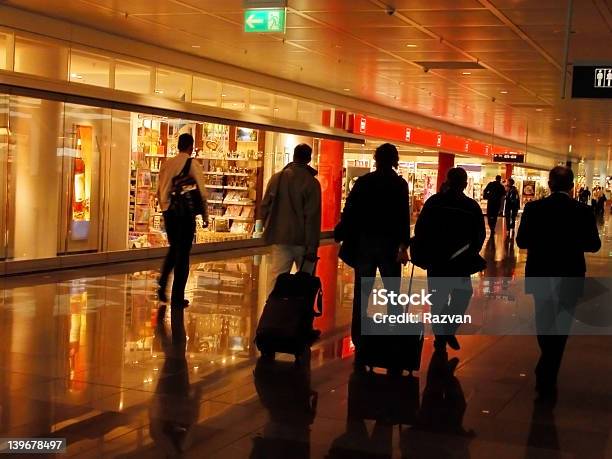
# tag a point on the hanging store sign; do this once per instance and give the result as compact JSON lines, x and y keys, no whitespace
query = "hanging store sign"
{"x":268,"y":20}
{"x":592,"y":82}
{"x":509,"y":158}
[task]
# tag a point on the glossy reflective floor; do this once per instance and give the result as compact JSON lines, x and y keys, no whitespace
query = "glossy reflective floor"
{"x":89,"y":356}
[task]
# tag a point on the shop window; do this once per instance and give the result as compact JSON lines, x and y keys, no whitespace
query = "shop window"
{"x":3,"y":51}
{"x":89,"y":69}
{"x":86,"y":141}
{"x":285,"y":108}
{"x":132,"y":77}
{"x":173,"y":85}
{"x":233,"y":97}
{"x":232,"y":164}
{"x":206,"y":92}
{"x":46,"y":59}
{"x":261,"y":102}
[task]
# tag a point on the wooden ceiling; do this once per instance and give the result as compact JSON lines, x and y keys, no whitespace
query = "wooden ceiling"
{"x":377,"y":51}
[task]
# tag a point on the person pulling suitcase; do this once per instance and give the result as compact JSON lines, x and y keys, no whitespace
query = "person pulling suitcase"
{"x":286,"y":324}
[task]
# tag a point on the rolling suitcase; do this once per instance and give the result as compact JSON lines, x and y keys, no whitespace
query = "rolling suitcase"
{"x":398,"y":349}
{"x":286,"y":322}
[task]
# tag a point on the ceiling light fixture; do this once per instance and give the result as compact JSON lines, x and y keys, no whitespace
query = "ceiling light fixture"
{"x":276,"y":109}
{"x":76,"y":76}
{"x":222,"y":95}
{"x":539,"y":109}
{"x":466,"y":73}
{"x":159,"y":91}
{"x":411,"y":45}
{"x":346,"y":89}
{"x":196,"y":46}
{"x":503,"y":92}
{"x":557,"y":119}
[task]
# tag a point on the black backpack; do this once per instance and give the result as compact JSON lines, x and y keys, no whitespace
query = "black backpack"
{"x":185,"y":196}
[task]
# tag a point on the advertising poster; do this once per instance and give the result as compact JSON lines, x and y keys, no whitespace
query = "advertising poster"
{"x":529,"y":189}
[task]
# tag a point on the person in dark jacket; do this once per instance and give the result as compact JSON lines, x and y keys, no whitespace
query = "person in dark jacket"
{"x":494,"y":194}
{"x":449,"y":233}
{"x":376,"y":225}
{"x":556,"y":231}
{"x":512,"y":204}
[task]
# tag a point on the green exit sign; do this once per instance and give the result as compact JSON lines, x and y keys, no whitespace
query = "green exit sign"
{"x":265,"y":20}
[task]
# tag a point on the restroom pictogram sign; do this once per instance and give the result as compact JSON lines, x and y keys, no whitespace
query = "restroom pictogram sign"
{"x":603,"y":77}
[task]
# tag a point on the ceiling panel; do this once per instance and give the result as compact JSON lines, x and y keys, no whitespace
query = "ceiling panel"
{"x":356,"y":45}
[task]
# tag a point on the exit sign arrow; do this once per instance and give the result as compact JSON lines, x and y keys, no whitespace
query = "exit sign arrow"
{"x":253,"y":20}
{"x":265,"y":20}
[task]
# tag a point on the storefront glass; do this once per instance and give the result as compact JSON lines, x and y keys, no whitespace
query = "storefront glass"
{"x":78,"y":179}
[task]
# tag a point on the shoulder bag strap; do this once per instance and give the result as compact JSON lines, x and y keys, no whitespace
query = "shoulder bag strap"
{"x":185,"y":171}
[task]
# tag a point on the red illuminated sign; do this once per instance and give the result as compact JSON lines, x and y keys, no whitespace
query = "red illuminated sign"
{"x":390,"y":130}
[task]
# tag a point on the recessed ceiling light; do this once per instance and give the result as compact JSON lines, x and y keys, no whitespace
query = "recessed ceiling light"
{"x":539,"y":109}
{"x":466,"y":73}
{"x":557,"y":119}
{"x":599,"y":140}
{"x":346,"y":89}
{"x":76,"y":76}
{"x":159,"y":91}
{"x":195,"y":46}
{"x":222,"y":95}
{"x":411,"y":45}
{"x":503,"y":92}
{"x":276,"y":109}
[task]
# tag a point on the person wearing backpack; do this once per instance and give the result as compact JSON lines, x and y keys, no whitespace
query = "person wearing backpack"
{"x":181,"y":197}
{"x":494,"y":194}
{"x":291,"y":215}
{"x":448,"y":236}
{"x":512,"y":206}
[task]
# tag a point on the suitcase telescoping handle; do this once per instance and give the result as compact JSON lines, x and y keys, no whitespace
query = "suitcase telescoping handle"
{"x":314,"y":268}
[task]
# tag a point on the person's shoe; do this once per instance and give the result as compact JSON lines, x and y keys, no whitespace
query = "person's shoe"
{"x":183,"y":304}
{"x":452,"y":342}
{"x":161,"y":294}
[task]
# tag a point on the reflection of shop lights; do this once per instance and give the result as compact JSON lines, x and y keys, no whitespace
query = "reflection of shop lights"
{"x":224,"y":361}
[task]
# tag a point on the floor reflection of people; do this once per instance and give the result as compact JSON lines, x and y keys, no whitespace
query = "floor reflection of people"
{"x":542,"y":433}
{"x":284,"y":391}
{"x":174,"y":409}
{"x":389,"y":401}
{"x":442,"y":409}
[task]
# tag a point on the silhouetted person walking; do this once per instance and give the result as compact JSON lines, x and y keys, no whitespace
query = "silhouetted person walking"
{"x":291,"y":212}
{"x":375,"y":230}
{"x":512,"y":206}
{"x":556,"y":231}
{"x":448,"y":236}
{"x":494,"y":194}
{"x":180,"y":226}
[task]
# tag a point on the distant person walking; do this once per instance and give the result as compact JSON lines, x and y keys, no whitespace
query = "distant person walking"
{"x":585,"y":194}
{"x":291,"y":214}
{"x":512,"y":206}
{"x":556,"y":231}
{"x":179,"y":223}
{"x":375,"y":230}
{"x":494,"y":194}
{"x":448,"y":236}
